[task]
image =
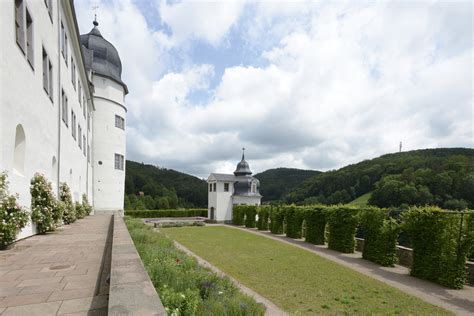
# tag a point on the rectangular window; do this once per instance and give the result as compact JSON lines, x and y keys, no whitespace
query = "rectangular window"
{"x":79,"y":134}
{"x":215,"y":187}
{"x":64,"y":108}
{"x":49,"y":6}
{"x":73,"y":124}
{"x":29,"y":39}
{"x":210,"y":187}
{"x":73,"y":73}
{"x":84,"y":145}
{"x":47,"y":75}
{"x":119,"y":122}
{"x":79,"y":93}
{"x":63,"y":42}
{"x":20,"y":24}
{"x":45,"y":72}
{"x":50,"y":77}
{"x":84,"y":107}
{"x":226,"y":187}
{"x":119,"y":165}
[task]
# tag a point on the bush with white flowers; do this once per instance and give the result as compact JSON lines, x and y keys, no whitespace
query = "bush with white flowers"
{"x":46,"y":212}
{"x":13,"y":217}
{"x":69,"y":214}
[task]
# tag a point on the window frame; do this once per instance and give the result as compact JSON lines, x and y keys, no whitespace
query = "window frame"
{"x":119,"y":164}
{"x":226,"y":186}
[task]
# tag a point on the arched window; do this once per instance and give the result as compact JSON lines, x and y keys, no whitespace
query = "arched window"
{"x":19,"y":151}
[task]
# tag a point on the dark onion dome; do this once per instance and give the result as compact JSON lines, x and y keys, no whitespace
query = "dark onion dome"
{"x":243,"y":168}
{"x":101,"y":56}
{"x":243,"y":187}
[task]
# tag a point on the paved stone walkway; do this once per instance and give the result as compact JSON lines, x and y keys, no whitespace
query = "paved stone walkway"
{"x":460,"y":302}
{"x":59,"y":273}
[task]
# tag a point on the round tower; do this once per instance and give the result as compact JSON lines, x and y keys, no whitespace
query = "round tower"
{"x":108,"y":121}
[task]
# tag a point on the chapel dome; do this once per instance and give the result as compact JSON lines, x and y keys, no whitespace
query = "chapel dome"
{"x":243,"y":168}
{"x":101,"y":56}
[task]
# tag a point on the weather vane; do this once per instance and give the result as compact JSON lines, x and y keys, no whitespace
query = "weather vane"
{"x":95,"y":7}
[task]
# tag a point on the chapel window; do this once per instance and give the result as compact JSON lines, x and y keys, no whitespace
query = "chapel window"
{"x":226,"y":187}
{"x":119,"y":162}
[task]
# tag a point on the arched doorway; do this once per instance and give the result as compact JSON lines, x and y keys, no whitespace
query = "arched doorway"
{"x":213,"y":215}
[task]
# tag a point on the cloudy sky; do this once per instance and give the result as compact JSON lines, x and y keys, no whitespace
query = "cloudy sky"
{"x":314,"y":85}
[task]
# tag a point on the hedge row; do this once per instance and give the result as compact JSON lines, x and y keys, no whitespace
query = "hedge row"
{"x":439,"y":250}
{"x":167,"y":213}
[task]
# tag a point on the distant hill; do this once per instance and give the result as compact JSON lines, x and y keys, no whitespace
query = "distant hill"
{"x":275,"y":183}
{"x":442,"y":176}
{"x":162,"y":188}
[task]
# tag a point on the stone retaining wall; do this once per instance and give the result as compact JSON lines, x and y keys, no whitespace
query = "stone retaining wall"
{"x":405,"y":258}
{"x":131,"y":290}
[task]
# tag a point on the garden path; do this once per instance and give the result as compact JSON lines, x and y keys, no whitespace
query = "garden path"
{"x":58,"y":273}
{"x":460,"y":302}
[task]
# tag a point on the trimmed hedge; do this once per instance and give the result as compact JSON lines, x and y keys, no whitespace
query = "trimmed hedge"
{"x":381,"y":234}
{"x":439,"y":252}
{"x":250,"y":214}
{"x":167,"y":213}
{"x":315,"y":225}
{"x":277,"y":217}
{"x":294,"y":220}
{"x":263,"y":216}
{"x":342,"y":224}
{"x":238,"y":215}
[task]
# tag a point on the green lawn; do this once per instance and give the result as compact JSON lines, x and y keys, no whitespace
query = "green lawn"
{"x":362,"y":200}
{"x":296,"y":280}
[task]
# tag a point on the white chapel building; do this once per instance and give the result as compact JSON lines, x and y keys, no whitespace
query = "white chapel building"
{"x":62,"y":105}
{"x":227,"y":190}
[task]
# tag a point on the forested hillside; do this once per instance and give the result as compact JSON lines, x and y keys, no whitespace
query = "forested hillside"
{"x":443,"y":177}
{"x":275,"y":183}
{"x":162,"y":188}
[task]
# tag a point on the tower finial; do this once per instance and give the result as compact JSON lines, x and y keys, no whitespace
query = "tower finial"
{"x":95,"y":7}
{"x":243,"y":153}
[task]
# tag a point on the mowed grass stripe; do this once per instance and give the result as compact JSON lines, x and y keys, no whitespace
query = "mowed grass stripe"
{"x":296,"y":280}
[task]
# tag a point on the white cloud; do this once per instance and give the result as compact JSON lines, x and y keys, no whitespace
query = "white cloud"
{"x":209,"y":21}
{"x":342,"y":82}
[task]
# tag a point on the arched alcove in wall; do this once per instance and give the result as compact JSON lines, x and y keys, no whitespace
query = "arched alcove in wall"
{"x":54,"y":169}
{"x":19,"y":150}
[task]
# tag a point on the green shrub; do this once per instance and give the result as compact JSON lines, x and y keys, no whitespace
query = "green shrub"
{"x":315,"y":225}
{"x":277,"y":217}
{"x":80,"y":211}
{"x":294,"y":220}
{"x":45,"y":210}
{"x":263,"y":215}
{"x":342,"y":224}
{"x":380,"y":236}
{"x":13,"y":217}
{"x":439,"y":251}
{"x":167,"y":213}
{"x":69,"y":214}
{"x":185,"y":287}
{"x":250,"y":213}
{"x":238,"y":215}
{"x":85,"y":204}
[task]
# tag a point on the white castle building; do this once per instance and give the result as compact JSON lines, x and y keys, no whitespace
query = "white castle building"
{"x":62,"y":109}
{"x":227,"y":190}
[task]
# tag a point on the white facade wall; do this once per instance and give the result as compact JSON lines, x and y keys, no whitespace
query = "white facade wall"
{"x":246,"y":200}
{"x":221,"y":201}
{"x":109,"y":182}
{"x":49,"y":146}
